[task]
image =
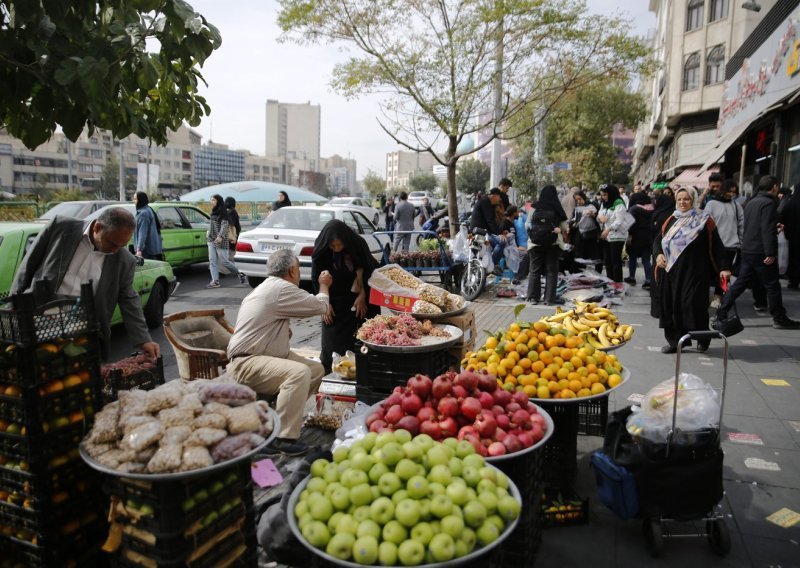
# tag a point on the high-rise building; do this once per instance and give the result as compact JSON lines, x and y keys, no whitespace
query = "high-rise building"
{"x":341,"y":174}
{"x":293,"y":132}
{"x":216,"y":163}
{"x":692,"y":42}
{"x":266,"y":168}
{"x":402,"y":165}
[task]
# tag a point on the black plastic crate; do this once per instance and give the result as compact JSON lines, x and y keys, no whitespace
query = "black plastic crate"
{"x":42,"y":448}
{"x":560,"y":453}
{"x":48,"y":514}
{"x":80,"y":547}
{"x":115,"y":379}
{"x":33,"y":406}
{"x":563,"y":507}
{"x":526,"y":472}
{"x":593,"y":417}
{"x":36,"y":366}
{"x":237,"y":544}
{"x":381,"y":372}
{"x":49,"y":481}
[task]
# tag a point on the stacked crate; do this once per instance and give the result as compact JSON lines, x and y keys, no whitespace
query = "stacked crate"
{"x":50,"y":503}
{"x":205,"y":520}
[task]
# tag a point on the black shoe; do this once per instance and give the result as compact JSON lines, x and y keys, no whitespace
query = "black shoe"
{"x":515,"y":282}
{"x":532,"y":301}
{"x":646,"y":285}
{"x":556,"y":302}
{"x":497,"y":271}
{"x":759,"y":309}
{"x":785,"y":323}
{"x":702,"y":347}
{"x":242,"y":278}
{"x":631,"y":281}
{"x":669,"y":349}
{"x":286,"y":446}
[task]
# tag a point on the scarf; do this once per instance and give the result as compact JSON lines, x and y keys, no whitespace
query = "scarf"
{"x":682,"y":233}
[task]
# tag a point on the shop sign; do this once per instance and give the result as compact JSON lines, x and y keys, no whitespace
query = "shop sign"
{"x":768,"y":76}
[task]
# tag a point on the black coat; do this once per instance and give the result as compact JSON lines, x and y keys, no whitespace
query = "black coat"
{"x":484,"y":216}
{"x":761,"y":225}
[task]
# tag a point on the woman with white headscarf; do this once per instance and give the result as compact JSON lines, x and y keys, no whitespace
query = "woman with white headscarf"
{"x":690,"y":257}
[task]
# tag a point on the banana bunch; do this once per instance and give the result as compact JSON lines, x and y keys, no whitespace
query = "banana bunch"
{"x":598,"y":326}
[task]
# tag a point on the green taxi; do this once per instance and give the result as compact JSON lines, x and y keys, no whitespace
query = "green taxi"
{"x":154,"y":281}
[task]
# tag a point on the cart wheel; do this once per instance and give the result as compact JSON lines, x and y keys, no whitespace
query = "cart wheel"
{"x":651,"y":529}
{"x":718,"y":536}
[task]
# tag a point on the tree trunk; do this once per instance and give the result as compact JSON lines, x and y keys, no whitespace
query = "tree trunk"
{"x":452,"y":196}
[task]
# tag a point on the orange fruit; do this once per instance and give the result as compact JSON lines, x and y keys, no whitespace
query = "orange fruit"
{"x":491,"y":343}
{"x":514,"y":327}
{"x":526,"y":380}
{"x":558,"y":360}
{"x":614,"y":380}
{"x":522,"y":348}
{"x":517,"y":371}
{"x":53,"y":386}
{"x":567,"y":393}
{"x":576,"y":361}
{"x":542,"y":392}
{"x":523,"y":338}
{"x":541,"y":326}
{"x":583,"y":392}
{"x":13,"y":390}
{"x":530,"y":390}
{"x":525,"y":363}
{"x":510,"y":346}
{"x":562,"y":374}
{"x":575,"y":386}
{"x":597,"y":388}
{"x":553,"y":386}
{"x":76,"y":416}
{"x":537,"y":366}
{"x":547,"y":374}
{"x":546,"y":357}
{"x":586,"y":382}
{"x":72,"y":380}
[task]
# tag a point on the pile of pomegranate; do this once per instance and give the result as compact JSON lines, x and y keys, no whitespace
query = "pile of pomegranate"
{"x":468,"y":406}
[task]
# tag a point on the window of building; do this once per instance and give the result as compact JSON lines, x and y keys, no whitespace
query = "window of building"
{"x":715,"y":65}
{"x":691,"y":72}
{"x":718,"y":10}
{"x":694,"y":16}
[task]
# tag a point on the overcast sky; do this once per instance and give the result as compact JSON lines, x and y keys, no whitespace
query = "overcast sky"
{"x":251,"y":67}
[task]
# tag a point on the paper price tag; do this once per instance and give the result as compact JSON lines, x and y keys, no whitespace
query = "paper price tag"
{"x":265,"y":474}
{"x":776,"y":382}
{"x":784,"y":518}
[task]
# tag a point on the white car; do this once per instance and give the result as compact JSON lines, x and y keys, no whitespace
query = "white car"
{"x":362,"y":205}
{"x":297,"y":228}
{"x":415,"y":198}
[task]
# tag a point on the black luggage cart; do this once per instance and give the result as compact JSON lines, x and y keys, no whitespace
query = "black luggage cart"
{"x":682,"y":480}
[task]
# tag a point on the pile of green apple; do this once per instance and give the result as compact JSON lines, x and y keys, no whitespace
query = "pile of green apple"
{"x":390,"y":499}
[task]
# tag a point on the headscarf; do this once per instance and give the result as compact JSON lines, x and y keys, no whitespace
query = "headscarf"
{"x":219,"y":213}
{"x":614,"y":198}
{"x":285,"y":203}
{"x":639,"y":198}
{"x":355,"y":254}
{"x":230,"y":203}
{"x":141,"y":200}
{"x":684,"y":231}
{"x":548,"y":201}
{"x":568,"y":201}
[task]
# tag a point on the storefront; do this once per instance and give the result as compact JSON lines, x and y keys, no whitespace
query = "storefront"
{"x":759,"y":120}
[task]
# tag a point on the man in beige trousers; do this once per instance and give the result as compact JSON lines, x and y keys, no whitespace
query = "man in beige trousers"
{"x":259,"y":351}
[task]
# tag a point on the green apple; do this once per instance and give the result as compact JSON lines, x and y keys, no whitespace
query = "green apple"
{"x":486,"y":486}
{"x":469,"y":538}
{"x":335,"y":519}
{"x":402,"y":436}
{"x":361,"y":513}
{"x":368,"y":527}
{"x":474,"y":460}
{"x":437,"y":455}
{"x":457,"y":493}
{"x":441,"y":506}
{"x":368,"y":441}
{"x":474,"y":514}
{"x":389,"y":483}
{"x":216,"y":487}
{"x":331,"y":473}
{"x":362,"y":461}
{"x":340,"y":498}
{"x":425,"y":510}
{"x":376,"y":491}
{"x":440,"y":474}
{"x":317,"y":484}
{"x":464,"y":449}
{"x":488,"y":500}
{"x":407,"y":511}
{"x":417,"y":487}
{"x":390,"y":453}
{"x":413,"y":451}
{"x":188,"y":504}
{"x":341,"y":546}
{"x":424,"y":441}
{"x":395,"y":532}
{"x":442,"y":547}
{"x":405,"y":469}
{"x":508,"y":508}
{"x":365,"y":550}
{"x":353,"y":477}
{"x":452,"y":525}
{"x":435,"y":488}
{"x":343,"y":466}
{"x":201,"y":496}
{"x":318,"y":467}
{"x":304,"y":520}
{"x":381,"y":440}
{"x":346,"y":524}
{"x":361,"y":494}
{"x":381,"y":510}
{"x":471,"y":475}
{"x":487,"y":533}
{"x":398,"y":496}
{"x":502,"y":480}
{"x":422,"y":532}
{"x":461,"y":548}
{"x":496,"y":521}
{"x":456,"y":466}
{"x":472,"y":494}
{"x":411,"y":553}
{"x":321,"y":509}
{"x":333,"y":486}
{"x":356,"y":449}
{"x":387,"y":553}
{"x":501,"y":492}
{"x":147,"y":510}
{"x":436,"y":526}
{"x":317,"y":534}
{"x":488,"y":472}
{"x":340,"y":454}
{"x":376,"y":471}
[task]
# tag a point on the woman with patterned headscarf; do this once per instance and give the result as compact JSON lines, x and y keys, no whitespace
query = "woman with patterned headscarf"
{"x":692,"y":258}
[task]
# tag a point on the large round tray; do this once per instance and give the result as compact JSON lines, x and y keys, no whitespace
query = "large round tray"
{"x":276,"y":426}
{"x":613,"y":347}
{"x":475,"y":554}
{"x":625,"y":374}
{"x":428,"y":343}
{"x":434,"y":317}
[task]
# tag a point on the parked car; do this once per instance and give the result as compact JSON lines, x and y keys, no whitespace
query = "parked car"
{"x":415,"y":198}
{"x":76,"y":209}
{"x":183,"y":231}
{"x":154,"y":280}
{"x":357,"y":203}
{"x":297,"y":228}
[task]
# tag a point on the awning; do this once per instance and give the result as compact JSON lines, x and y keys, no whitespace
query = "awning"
{"x":694,"y":177}
{"x":718,"y":150}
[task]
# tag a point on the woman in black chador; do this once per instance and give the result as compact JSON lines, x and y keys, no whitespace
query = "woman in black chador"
{"x":342,"y":252}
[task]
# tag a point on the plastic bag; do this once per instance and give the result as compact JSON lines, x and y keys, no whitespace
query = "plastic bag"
{"x":698,"y":408}
{"x":783,"y":253}
{"x":461,"y":245}
{"x":401,"y":282}
{"x":354,"y":427}
{"x":485,"y":258}
{"x":329,"y":413}
{"x":344,"y":366}
{"x":512,"y":258}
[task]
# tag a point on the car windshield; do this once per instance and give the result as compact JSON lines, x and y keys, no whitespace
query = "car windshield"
{"x":417,"y":194}
{"x":129,"y":206}
{"x":304,"y":219}
{"x":340,"y":201}
{"x":65,"y":210}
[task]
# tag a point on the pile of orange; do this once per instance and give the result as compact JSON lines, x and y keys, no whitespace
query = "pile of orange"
{"x":545,"y":361}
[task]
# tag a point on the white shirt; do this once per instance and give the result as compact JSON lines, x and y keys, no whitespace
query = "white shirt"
{"x":86,"y":264}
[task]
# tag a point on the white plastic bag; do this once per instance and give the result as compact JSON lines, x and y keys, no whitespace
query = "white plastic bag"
{"x":511,"y":253}
{"x":783,"y":253}
{"x":461,"y":245}
{"x":485,"y":258}
{"x":698,"y":408}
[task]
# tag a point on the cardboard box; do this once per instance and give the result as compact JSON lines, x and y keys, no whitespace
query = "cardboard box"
{"x":466,"y":323}
{"x":391,"y":301}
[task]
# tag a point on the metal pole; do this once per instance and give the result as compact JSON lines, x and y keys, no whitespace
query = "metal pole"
{"x":741,"y":169}
{"x":121,"y":173}
{"x":69,"y":164}
{"x":147,"y":183}
{"x":498,"y":102}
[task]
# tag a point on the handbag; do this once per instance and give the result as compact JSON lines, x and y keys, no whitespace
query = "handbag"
{"x":231,"y":234}
{"x":731,"y":324}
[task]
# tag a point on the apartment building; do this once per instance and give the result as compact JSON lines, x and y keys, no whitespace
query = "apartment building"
{"x":266,"y":168}
{"x":341,"y":174}
{"x":402,"y":165}
{"x":692,"y":43}
{"x":293,"y":132}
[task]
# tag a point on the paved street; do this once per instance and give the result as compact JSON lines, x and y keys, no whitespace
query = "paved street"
{"x":761,"y":476}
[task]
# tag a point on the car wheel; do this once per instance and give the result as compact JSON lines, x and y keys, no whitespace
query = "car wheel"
{"x":154,"y":310}
{"x":254,"y":281}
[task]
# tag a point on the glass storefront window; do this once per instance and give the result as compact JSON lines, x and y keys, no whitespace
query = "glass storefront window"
{"x":791,"y":176}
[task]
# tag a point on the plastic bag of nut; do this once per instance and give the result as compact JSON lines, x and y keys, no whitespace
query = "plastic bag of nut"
{"x":329,"y":413}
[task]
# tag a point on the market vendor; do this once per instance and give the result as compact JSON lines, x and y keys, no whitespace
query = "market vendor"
{"x":70,"y":252}
{"x":485,"y":216}
{"x":259,"y":351}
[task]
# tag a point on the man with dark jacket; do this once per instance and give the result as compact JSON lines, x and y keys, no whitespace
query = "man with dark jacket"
{"x":759,"y":254}
{"x":484,"y":216}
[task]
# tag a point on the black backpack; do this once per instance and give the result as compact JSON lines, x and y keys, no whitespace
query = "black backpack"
{"x":542,"y":228}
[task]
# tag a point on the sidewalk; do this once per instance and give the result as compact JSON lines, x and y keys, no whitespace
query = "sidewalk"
{"x":761,"y":470}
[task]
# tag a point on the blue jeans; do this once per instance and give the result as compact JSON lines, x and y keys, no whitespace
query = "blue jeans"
{"x":498,"y":245}
{"x":219,"y":255}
